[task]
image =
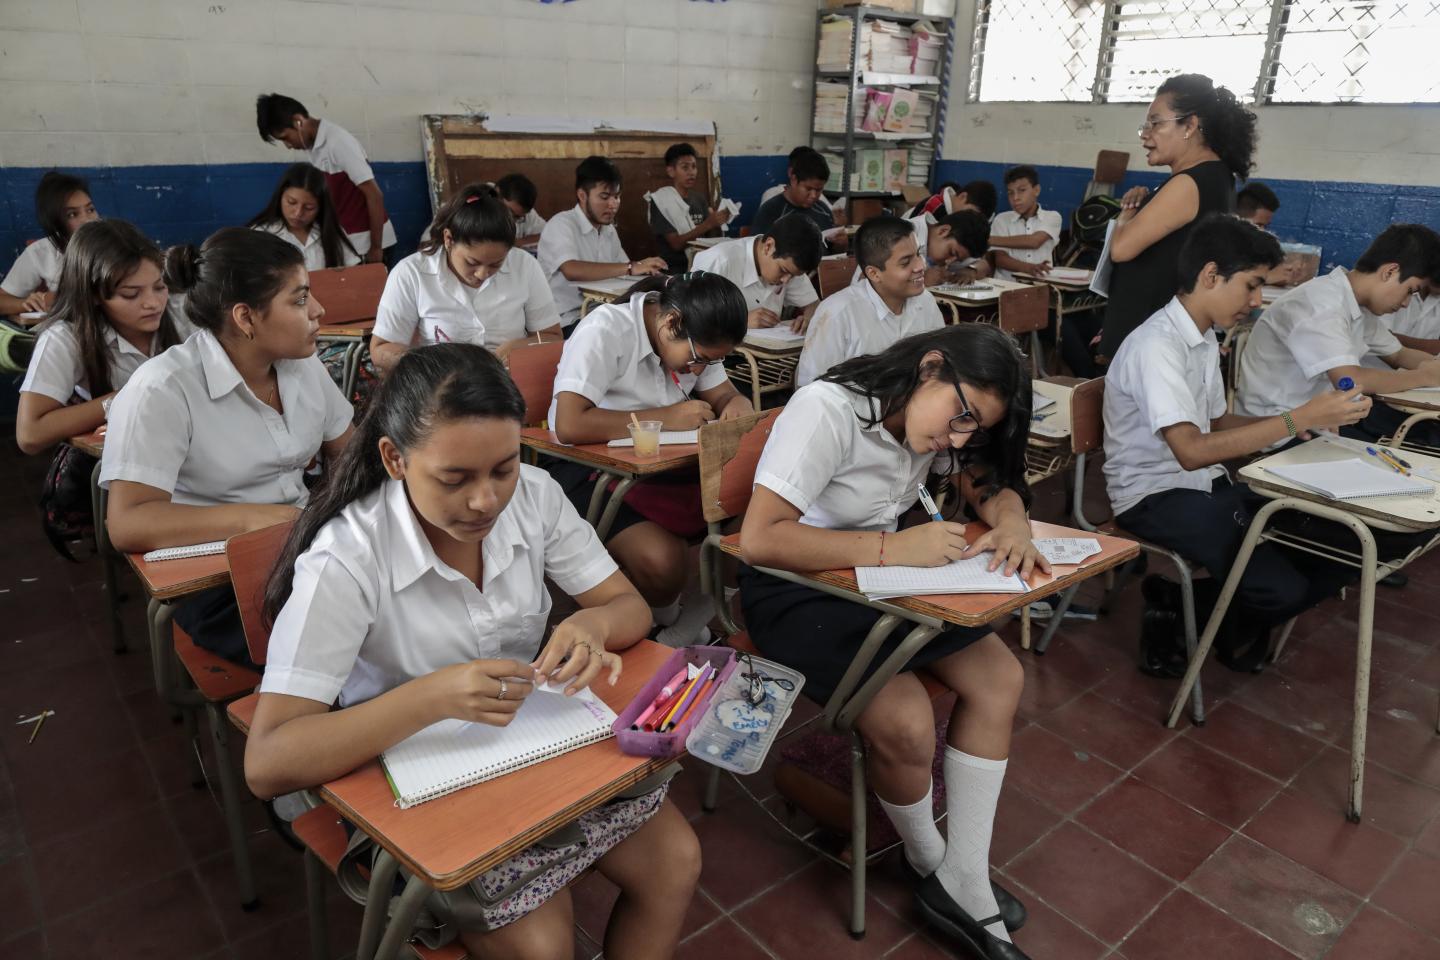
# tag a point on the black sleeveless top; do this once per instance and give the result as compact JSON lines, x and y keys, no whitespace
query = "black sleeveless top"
{"x":1142,"y":286}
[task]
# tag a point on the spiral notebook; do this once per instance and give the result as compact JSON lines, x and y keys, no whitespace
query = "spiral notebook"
{"x":1351,"y":480}
{"x":971,"y":575}
{"x":452,"y":754}
{"x":213,"y":548}
{"x":667,"y":438}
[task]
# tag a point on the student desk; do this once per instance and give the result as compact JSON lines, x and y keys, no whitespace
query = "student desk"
{"x":93,"y":444}
{"x":1048,"y":452}
{"x":167,"y":582}
{"x":1395,"y":514}
{"x":447,"y":842}
{"x":619,"y":463}
{"x":1070,"y":296}
{"x":766,"y":366}
{"x":1421,"y":405}
{"x":975,"y":306}
{"x":354,"y":335}
{"x":698,"y":244}
{"x":595,"y":292}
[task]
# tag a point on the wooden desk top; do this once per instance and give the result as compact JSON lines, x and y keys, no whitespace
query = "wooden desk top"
{"x":1068,"y":286}
{"x":172,"y":579}
{"x":621,"y":460}
{"x":609,"y":290}
{"x":705,"y":243}
{"x":357,"y":330}
{"x":455,"y":838}
{"x":982,"y":298}
{"x":979,"y":609}
{"x":1056,"y":425}
{"x":92,"y":443}
{"x":1417,"y":400}
{"x":1400,"y":513}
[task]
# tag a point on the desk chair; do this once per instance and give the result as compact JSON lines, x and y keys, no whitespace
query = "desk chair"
{"x":349,"y":295}
{"x":834,"y":275}
{"x":1236,"y":342}
{"x":533,"y":368}
{"x":1110,"y":167}
{"x":1026,"y":311}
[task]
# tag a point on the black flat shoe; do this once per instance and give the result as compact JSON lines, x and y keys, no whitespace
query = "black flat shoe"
{"x":1396,"y":581}
{"x":1012,"y":912}
{"x":940,"y":909}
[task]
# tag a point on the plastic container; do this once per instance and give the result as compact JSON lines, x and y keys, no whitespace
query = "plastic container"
{"x":736,"y":735}
{"x":640,"y":743}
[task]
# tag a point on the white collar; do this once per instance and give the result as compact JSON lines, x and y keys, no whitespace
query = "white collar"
{"x":121,"y":345}
{"x":750,"y":272}
{"x":1184,"y":325}
{"x":411,"y":554}
{"x":221,"y":377}
{"x":882,"y":311}
{"x":585,"y":225}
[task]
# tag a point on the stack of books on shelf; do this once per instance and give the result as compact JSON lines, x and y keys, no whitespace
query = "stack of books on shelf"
{"x":835,"y":37}
{"x":830,"y":103}
{"x":885,"y":47}
{"x":927,"y":47}
{"x":919,"y":169}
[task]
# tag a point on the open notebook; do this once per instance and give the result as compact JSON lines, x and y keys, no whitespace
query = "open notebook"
{"x":213,"y":548}
{"x":1351,"y":480}
{"x":1069,"y":275}
{"x":452,"y":754}
{"x":958,"y":576}
{"x":666,"y":437}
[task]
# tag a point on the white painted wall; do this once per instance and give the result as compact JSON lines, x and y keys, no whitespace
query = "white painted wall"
{"x":127,"y":82}
{"x":1369,"y":143}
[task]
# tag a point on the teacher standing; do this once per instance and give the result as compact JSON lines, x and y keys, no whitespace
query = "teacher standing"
{"x":1207,"y":139}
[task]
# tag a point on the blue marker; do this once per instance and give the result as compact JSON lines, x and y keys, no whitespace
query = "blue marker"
{"x":1346,"y":384}
{"x":928,"y":503}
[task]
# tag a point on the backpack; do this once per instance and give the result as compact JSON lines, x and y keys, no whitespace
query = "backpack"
{"x":66,"y":513}
{"x":16,"y":346}
{"x":1088,"y":224}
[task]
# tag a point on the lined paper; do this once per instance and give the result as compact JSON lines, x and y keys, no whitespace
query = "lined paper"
{"x":958,"y":576}
{"x":671,"y":437}
{"x":1351,"y":480}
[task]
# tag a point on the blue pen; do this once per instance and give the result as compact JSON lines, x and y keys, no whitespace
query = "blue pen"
{"x":1389,"y":461}
{"x":1346,"y":384}
{"x":928,"y":503}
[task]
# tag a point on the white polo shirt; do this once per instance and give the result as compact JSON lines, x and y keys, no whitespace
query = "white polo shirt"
{"x":38,"y":263}
{"x":349,"y":630}
{"x":855,"y":321}
{"x":1306,"y":333}
{"x":1419,"y":318}
{"x":57,"y":371}
{"x":609,"y":361}
{"x":424,"y":302}
{"x":339,"y":155}
{"x":839,"y":472}
{"x":530,"y":224}
{"x":312,"y":248}
{"x":1010,"y":224}
{"x":735,"y":261}
{"x":1165,"y":373}
{"x":186,"y":423}
{"x":571,"y":236}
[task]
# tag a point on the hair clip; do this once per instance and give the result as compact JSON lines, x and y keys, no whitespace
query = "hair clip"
{"x":473,"y":197}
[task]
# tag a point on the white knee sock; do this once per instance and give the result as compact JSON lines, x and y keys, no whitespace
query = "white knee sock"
{"x":666,"y":615}
{"x":972,"y":791}
{"x":915,"y":822}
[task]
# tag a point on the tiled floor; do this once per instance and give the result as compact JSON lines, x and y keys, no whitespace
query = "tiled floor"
{"x":1126,"y":840}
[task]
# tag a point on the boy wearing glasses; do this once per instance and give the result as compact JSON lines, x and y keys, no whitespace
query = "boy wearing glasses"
{"x":887,"y":304}
{"x":771,"y":270}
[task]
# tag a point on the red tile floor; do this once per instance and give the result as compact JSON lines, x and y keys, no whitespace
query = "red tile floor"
{"x":1126,"y":840}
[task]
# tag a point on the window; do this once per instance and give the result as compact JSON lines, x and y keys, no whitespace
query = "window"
{"x":1036,"y":49}
{"x":1342,"y":51}
{"x":1150,"y":40}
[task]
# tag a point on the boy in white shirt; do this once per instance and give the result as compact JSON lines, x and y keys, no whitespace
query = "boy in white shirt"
{"x":580,"y":244}
{"x":771,"y":271}
{"x":888,"y":304}
{"x":519,"y":194}
{"x":1024,"y":236}
{"x":679,"y":213}
{"x":359,"y":204}
{"x":1167,"y":435}
{"x":949,"y":243}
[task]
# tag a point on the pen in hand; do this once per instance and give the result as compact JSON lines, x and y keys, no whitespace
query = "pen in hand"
{"x":928,"y":502}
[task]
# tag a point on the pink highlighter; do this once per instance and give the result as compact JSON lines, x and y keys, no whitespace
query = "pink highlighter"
{"x":666,"y":692}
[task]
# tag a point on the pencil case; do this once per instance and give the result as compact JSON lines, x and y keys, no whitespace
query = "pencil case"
{"x":642,"y":743}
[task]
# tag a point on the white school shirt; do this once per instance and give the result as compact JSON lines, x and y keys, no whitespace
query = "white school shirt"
{"x":609,"y":361}
{"x":372,"y":606}
{"x":571,"y":236}
{"x":1010,"y":224}
{"x":735,"y":261}
{"x":186,"y":423}
{"x":1165,"y":373}
{"x":530,"y":224}
{"x":336,"y":150}
{"x":855,"y":321}
{"x":312,"y":248}
{"x":840,"y":473}
{"x":424,"y":302}
{"x":38,"y":263}
{"x":57,"y":371}
{"x":1306,"y":333}
{"x":920,"y":226}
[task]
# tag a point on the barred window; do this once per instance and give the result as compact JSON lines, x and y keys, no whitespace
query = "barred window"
{"x":1343,"y":51}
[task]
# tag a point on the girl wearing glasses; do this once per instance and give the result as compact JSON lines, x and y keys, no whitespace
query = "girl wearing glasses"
{"x":842,"y":466}
{"x":655,"y":354}
{"x":1207,"y":139}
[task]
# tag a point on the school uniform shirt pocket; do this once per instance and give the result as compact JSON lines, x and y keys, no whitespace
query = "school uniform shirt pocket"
{"x":518,"y":638}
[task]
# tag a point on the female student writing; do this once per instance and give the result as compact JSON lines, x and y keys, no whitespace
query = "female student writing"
{"x":300,"y":212}
{"x":656,"y":355}
{"x":467,"y":284}
{"x":212,"y":438}
{"x":62,"y":205}
{"x":1207,"y":139}
{"x":110,"y":316}
{"x":433,"y":519}
{"x":842,"y":466}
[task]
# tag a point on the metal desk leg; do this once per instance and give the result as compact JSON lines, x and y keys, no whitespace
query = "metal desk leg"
{"x":108,"y":560}
{"x":160,"y":614}
{"x":1056,"y":617}
{"x":858,"y":839}
{"x":1360,"y":722}
{"x":617,"y":497}
{"x":377,"y":903}
{"x":230,"y":801}
{"x":352,"y":368}
{"x":315,"y":874}
{"x":402,"y":920}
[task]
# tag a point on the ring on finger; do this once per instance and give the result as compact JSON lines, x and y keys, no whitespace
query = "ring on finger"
{"x":504,"y":687}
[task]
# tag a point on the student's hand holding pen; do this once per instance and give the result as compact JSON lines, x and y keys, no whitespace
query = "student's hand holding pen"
{"x":760,"y":318}
{"x":483,"y":691}
{"x":925,"y":545}
{"x":687,"y":415}
{"x":1331,"y":409}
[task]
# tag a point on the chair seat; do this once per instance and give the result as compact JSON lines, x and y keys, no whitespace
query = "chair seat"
{"x":242,"y":712}
{"x":323,"y":835}
{"x":217,"y":679}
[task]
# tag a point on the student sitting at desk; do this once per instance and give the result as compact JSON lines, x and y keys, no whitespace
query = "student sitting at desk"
{"x":468,"y":283}
{"x":581,"y":244}
{"x":300,"y":212}
{"x":433,"y":519}
{"x":843,"y":464}
{"x":1024,"y":236}
{"x":949,"y":243}
{"x":1167,"y":436}
{"x":62,"y":206}
{"x":801,"y":197}
{"x":977,"y":195}
{"x":772,"y":270}
{"x":679,"y":214}
{"x":212,"y":437}
{"x":1318,"y":334}
{"x":519,"y":195}
{"x":1257,"y":203}
{"x":889,"y":303}
{"x":655,"y":355}
{"x":837,"y":209}
{"x":1417,"y":324}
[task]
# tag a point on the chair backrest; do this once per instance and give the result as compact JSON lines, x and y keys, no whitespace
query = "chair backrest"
{"x":834,"y":275}
{"x":533,"y":368}
{"x":1236,"y":342}
{"x":1110,"y":166}
{"x":1023,"y":311}
{"x":348,"y":294}
{"x":1087,"y":416}
{"x":251,"y":557}
{"x":729,"y":452}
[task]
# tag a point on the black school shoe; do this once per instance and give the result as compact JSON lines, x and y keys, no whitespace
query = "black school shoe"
{"x":942,"y":910}
{"x":1162,"y":628}
{"x":1012,"y":912}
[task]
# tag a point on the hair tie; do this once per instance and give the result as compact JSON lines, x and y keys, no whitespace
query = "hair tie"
{"x":472,"y":198}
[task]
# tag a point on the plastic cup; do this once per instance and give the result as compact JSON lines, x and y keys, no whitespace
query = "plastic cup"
{"x":646,"y":435}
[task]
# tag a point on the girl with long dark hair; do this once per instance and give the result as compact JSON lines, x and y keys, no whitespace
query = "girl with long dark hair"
{"x":62,"y":206}
{"x":300,"y":212}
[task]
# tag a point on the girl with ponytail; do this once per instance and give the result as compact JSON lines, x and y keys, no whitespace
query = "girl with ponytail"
{"x":413,"y":590}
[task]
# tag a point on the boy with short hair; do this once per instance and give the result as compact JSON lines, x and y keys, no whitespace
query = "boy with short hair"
{"x":580,"y":244}
{"x":801,"y":197}
{"x":1257,"y":203}
{"x":1024,"y":236}
{"x":949,"y":243}
{"x":824,"y":202}
{"x":887,"y":304}
{"x":679,"y":213}
{"x":771,"y":270}
{"x":359,"y":204}
{"x":518,"y":193}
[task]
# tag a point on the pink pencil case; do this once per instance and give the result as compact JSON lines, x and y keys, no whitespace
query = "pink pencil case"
{"x":642,"y":743}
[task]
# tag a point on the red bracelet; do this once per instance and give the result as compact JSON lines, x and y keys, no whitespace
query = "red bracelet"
{"x":882,"y":548}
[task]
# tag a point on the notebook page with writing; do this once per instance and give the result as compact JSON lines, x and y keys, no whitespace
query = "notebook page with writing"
{"x":1351,"y":480}
{"x":958,"y":576}
{"x":452,"y":754}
